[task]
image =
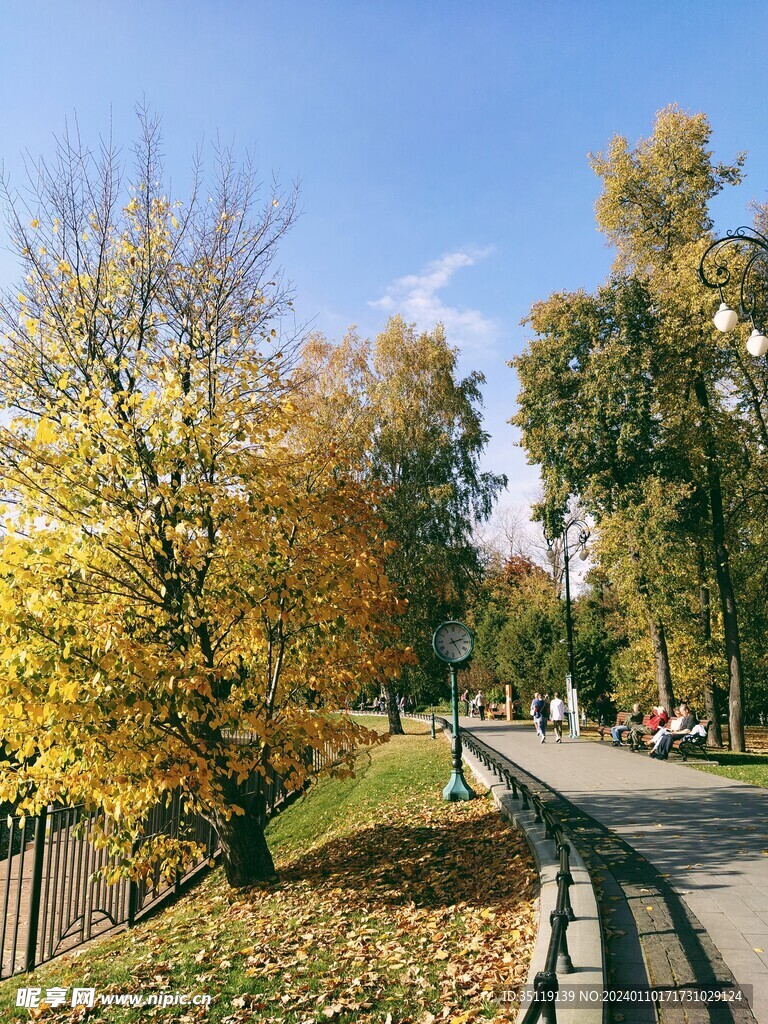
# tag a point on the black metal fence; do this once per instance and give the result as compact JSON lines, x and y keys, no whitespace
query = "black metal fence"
{"x":558,"y":960}
{"x":53,"y":896}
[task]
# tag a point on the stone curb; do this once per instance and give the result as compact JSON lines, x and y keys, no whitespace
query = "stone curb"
{"x":585,"y":943}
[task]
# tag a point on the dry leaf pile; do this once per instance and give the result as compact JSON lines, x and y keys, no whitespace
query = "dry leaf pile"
{"x":430,"y":912}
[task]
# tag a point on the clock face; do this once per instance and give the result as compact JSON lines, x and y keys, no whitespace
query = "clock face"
{"x":452,"y":642}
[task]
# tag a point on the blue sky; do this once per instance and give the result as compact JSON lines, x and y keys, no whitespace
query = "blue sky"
{"x":441,"y":146}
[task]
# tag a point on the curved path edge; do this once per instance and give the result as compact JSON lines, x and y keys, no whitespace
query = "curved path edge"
{"x":584,"y":934}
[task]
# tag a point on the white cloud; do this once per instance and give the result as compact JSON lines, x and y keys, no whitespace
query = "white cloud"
{"x":416,"y":297}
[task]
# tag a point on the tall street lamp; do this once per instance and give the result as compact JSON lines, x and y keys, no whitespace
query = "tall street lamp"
{"x":749,"y":250}
{"x":581,"y":543}
{"x":746,"y":250}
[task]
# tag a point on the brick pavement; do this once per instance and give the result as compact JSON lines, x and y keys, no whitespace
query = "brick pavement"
{"x":703,"y":846}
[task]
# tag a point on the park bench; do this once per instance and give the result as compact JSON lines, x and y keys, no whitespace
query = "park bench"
{"x":621,"y":719}
{"x":494,"y":711}
{"x":685,"y":746}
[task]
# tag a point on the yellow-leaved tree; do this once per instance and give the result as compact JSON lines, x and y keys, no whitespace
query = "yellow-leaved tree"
{"x":184,"y":559}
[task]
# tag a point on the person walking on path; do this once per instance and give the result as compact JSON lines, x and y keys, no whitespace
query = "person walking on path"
{"x":539,"y":712}
{"x":480,"y":704}
{"x":557,"y":715}
{"x":532,"y":711}
{"x":465,"y":698}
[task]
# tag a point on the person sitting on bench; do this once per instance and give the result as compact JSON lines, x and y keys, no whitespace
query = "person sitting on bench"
{"x":687,"y":725}
{"x":636,"y":718}
{"x":657,"y":719}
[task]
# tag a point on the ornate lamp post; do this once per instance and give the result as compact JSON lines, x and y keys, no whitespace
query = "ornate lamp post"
{"x":752,"y":247}
{"x":747,"y":250}
{"x":572,"y":691}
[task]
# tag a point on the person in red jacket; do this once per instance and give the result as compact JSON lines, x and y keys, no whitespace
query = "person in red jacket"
{"x":656,"y":720}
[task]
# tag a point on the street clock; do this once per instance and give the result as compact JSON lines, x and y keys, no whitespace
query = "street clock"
{"x":453,"y":642}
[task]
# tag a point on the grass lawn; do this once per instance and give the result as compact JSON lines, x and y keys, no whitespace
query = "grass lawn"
{"x":751,"y":768}
{"x":390,"y":905}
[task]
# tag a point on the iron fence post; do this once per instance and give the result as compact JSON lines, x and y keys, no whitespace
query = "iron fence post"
{"x":565,"y":873}
{"x":564,"y":963}
{"x":133,"y":890}
{"x":37,"y":888}
{"x":546,"y":988}
{"x":548,"y":831}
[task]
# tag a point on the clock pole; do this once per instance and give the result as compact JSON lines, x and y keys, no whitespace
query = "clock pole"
{"x":453,"y":643}
{"x":457,"y":788}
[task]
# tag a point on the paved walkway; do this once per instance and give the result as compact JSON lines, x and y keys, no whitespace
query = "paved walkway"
{"x":707,"y":836}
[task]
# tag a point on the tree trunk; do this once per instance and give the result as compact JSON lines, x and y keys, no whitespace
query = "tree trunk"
{"x":393,"y":712}
{"x":244,"y":849}
{"x":659,"y":643}
{"x":711,"y":708}
{"x":661,"y":659}
{"x":724,"y":582}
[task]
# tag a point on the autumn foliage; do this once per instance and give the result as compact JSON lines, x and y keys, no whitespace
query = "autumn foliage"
{"x":182,"y":557}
